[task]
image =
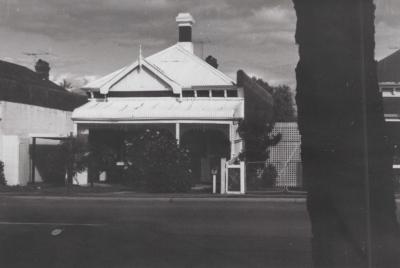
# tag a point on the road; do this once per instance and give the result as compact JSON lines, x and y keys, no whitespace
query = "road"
{"x":104,"y":232}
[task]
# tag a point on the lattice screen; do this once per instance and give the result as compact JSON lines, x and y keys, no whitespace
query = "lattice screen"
{"x":285,"y":156}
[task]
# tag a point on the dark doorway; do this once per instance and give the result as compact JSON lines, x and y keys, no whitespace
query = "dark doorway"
{"x":206,"y":147}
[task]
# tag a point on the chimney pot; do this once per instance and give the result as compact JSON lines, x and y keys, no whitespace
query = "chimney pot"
{"x":185,"y":22}
{"x":43,"y":69}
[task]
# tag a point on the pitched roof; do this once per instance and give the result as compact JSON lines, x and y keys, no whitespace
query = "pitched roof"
{"x":389,"y":68}
{"x":176,"y":66}
{"x":187,"y":69}
{"x":22,"y":85}
{"x":15,"y":72}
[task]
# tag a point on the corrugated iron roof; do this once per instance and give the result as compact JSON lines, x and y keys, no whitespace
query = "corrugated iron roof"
{"x":160,"y":109}
{"x":176,"y":65}
{"x":187,"y":69}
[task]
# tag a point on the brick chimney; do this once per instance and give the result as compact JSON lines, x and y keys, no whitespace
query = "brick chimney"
{"x":185,"y":22}
{"x":43,"y":69}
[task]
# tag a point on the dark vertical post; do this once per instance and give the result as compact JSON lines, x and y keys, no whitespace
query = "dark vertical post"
{"x":33,"y":159}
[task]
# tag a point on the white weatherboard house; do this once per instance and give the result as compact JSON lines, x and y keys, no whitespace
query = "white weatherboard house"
{"x":175,"y":90}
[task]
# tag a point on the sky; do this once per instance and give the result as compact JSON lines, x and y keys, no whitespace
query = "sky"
{"x":86,"y":39}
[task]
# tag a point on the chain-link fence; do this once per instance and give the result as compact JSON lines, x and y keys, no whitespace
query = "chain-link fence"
{"x":279,"y":176}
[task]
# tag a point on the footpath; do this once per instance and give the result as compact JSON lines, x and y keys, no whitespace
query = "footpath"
{"x":95,"y":193}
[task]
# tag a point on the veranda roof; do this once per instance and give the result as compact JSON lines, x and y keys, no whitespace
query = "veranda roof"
{"x":161,"y":109}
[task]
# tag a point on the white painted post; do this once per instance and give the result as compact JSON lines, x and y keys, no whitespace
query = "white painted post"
{"x":178,"y":133}
{"x":242,"y":177}
{"x":214,"y":183}
{"x":75,"y":129}
{"x":232,"y":140}
{"x":223,"y":175}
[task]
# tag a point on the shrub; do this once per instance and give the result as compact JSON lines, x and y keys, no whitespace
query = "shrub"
{"x":2,"y":177}
{"x":269,"y":176}
{"x":155,"y":161}
{"x":69,"y":158}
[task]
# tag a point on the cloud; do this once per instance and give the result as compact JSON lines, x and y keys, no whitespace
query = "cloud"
{"x":76,"y":80}
{"x":96,"y":37}
{"x":275,"y":14}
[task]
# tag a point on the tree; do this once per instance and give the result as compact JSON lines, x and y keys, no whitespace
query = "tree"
{"x":67,"y":85}
{"x":72,"y":156}
{"x":3,"y":180}
{"x":345,"y":153}
{"x":212,"y":61}
{"x":283,"y":100}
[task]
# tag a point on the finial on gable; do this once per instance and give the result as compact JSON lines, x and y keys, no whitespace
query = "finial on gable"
{"x":140,"y":58}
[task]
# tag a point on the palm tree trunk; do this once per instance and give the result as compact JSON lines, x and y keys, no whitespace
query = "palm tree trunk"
{"x":345,"y":152}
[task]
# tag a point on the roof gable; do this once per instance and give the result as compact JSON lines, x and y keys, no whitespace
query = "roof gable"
{"x":139,"y":76}
{"x":140,"y":79}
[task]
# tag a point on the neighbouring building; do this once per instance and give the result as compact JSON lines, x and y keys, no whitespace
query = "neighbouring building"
{"x":389,"y":85}
{"x":30,"y":106}
{"x":175,"y":90}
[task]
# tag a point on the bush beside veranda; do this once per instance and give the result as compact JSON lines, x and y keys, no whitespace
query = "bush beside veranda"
{"x":155,"y":161}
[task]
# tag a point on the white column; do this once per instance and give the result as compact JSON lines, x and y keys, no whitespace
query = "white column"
{"x":242,"y":177}
{"x":214,"y":183}
{"x":75,"y":130}
{"x":223,"y":176}
{"x":231,"y":139}
{"x":178,"y":133}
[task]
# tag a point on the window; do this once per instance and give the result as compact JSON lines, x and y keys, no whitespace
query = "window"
{"x":187,"y":93}
{"x":387,"y":89}
{"x":231,"y":93}
{"x":217,"y":93}
{"x":203,"y":93}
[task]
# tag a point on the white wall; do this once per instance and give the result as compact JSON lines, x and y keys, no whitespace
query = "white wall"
{"x":17,"y":122}
{"x":22,"y":119}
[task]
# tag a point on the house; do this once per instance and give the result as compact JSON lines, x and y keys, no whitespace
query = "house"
{"x":174,"y":90}
{"x":30,"y":106}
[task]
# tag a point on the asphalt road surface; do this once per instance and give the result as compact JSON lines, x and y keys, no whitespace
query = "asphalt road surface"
{"x":103,"y":232}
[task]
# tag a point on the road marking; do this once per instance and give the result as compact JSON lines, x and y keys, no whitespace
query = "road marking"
{"x":52,"y":223}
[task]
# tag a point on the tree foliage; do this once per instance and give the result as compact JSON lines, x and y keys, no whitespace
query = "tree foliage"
{"x":71,"y":156}
{"x":212,"y":61}
{"x":284,"y":110}
{"x":2,"y":177}
{"x":258,"y":138}
{"x":155,"y":161}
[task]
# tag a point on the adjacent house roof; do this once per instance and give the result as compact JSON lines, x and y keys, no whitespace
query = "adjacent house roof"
{"x":160,"y":109}
{"x":389,"y":68}
{"x":12,"y":71}
{"x":176,"y":66}
{"x":22,"y":85}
